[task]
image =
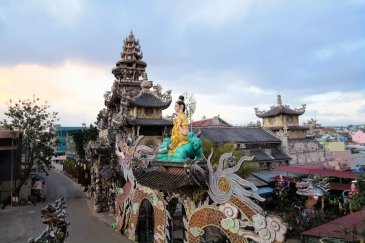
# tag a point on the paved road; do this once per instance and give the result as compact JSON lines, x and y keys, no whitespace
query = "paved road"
{"x":18,"y":224}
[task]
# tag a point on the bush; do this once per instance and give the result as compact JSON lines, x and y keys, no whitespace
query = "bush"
{"x":69,"y":166}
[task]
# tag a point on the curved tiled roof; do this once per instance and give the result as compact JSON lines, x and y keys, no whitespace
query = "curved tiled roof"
{"x":168,"y":178}
{"x":148,"y":99}
{"x":278,"y":110}
{"x":237,"y":134}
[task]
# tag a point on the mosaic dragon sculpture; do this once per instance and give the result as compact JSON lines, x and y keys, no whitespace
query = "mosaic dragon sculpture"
{"x":229,"y":203}
{"x":312,"y":186}
{"x":233,"y":209}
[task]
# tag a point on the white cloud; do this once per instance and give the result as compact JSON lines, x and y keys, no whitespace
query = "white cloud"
{"x":216,"y":13}
{"x":353,"y":46}
{"x":332,"y":107}
{"x":64,"y":11}
{"x":73,"y":89}
{"x":325,"y":53}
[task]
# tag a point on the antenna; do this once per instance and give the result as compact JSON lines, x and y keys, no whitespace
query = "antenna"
{"x":190,"y":104}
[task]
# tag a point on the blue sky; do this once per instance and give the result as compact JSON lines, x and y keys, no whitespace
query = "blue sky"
{"x":233,"y":55}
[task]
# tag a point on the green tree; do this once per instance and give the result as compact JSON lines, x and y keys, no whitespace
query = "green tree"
{"x":69,"y":166}
{"x":81,"y":138}
{"x":219,"y":149}
{"x":222,"y":148}
{"x":36,"y":123}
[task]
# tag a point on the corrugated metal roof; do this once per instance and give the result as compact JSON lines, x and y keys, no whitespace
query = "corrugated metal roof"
{"x":263,"y":191}
{"x":318,"y":170}
{"x":260,"y":155}
{"x":270,"y":175}
{"x":148,"y":99}
{"x":256,"y":181}
{"x":336,"y":229}
{"x":237,"y":134}
{"x":214,"y":121}
{"x":277,"y":154}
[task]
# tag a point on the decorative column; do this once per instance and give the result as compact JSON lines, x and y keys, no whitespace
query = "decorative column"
{"x":98,"y":189}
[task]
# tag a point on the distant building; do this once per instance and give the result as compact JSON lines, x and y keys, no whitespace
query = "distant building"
{"x":334,"y":146}
{"x":64,"y":137}
{"x":256,"y":142}
{"x":216,"y":121}
{"x":284,"y":122}
{"x":10,"y":161}
{"x":359,"y":137}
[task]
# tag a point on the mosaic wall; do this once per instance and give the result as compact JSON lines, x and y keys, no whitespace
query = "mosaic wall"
{"x":227,"y":204}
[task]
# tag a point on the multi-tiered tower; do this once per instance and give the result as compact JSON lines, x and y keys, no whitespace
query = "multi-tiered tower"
{"x":132,"y":89}
{"x":284,"y":122}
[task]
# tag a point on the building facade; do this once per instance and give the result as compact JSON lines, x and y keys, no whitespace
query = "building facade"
{"x":10,"y":161}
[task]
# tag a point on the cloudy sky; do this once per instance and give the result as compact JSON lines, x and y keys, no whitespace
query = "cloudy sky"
{"x":233,"y":55}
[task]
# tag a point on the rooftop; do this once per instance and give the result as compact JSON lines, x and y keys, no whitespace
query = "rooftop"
{"x":279,"y":109}
{"x":215,"y":121}
{"x":237,"y":134}
{"x":318,"y":170}
{"x":149,"y":100}
{"x":337,"y":228}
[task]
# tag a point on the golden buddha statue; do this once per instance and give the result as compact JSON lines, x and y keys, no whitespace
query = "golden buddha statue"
{"x":180,"y":128}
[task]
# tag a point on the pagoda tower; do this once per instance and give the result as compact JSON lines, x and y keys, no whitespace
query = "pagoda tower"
{"x":131,"y":67}
{"x":283,"y":121}
{"x":145,"y":115}
{"x":282,"y":117}
{"x":134,"y":105}
{"x":127,"y":83}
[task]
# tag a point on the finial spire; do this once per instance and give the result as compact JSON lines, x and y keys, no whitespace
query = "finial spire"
{"x":144,"y":76}
{"x":279,"y":102}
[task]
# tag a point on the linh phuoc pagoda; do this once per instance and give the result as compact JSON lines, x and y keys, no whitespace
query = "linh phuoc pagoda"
{"x":283,"y":121}
{"x":155,"y":177}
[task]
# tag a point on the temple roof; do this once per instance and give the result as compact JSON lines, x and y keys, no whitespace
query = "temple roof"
{"x":237,"y":135}
{"x":215,"y":121}
{"x":149,"y":122}
{"x":149,"y":100}
{"x":169,"y":176}
{"x":279,"y":109}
